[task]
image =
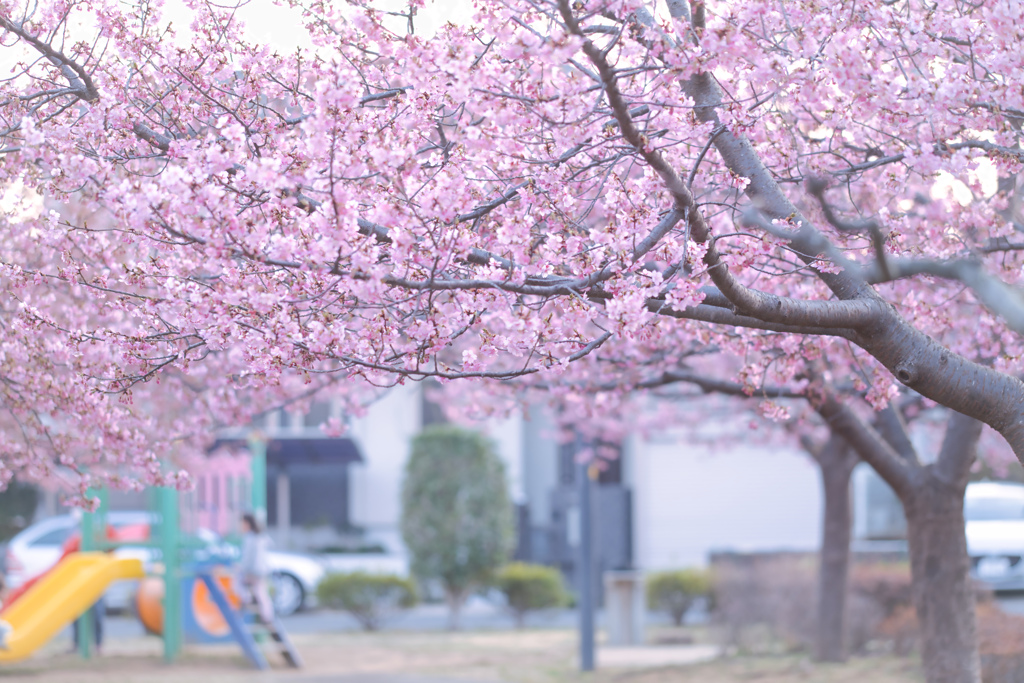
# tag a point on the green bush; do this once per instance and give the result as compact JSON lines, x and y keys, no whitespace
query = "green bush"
{"x":370,"y":598}
{"x":530,"y":587}
{"x":675,"y":591}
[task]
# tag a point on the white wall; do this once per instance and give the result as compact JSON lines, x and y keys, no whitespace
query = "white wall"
{"x":508,"y":439}
{"x":375,"y":486}
{"x":689,"y":500}
{"x":384,"y":437}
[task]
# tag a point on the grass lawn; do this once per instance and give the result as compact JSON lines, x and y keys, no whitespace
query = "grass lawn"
{"x":531,"y":656}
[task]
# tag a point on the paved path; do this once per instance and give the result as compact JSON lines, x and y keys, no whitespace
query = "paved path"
{"x":651,"y":656}
{"x":361,"y":678}
{"x":479,"y":615}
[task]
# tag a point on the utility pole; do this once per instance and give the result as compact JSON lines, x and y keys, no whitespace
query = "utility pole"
{"x":584,"y":473}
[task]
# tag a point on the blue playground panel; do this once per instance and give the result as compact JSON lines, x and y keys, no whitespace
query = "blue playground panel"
{"x":239,"y":630}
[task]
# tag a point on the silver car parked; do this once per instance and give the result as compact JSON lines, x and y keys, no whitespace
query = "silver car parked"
{"x":994,"y":513}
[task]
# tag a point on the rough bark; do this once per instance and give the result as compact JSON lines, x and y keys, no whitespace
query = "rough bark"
{"x":932,"y":370}
{"x":939,"y":563}
{"x":836,"y":461}
{"x":942,"y":592}
{"x":896,"y":470}
{"x":933,"y":499}
{"x":932,"y":496}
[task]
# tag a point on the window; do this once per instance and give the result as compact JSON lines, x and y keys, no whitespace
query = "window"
{"x":318,"y":414}
{"x":53,"y":538}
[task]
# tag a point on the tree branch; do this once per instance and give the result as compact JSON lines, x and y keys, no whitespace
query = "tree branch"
{"x":913,"y":357}
{"x":79,"y":80}
{"x":893,"y":429}
{"x":817,"y":187}
{"x":711,"y":385}
{"x":868,"y":443}
{"x":1000,"y":298}
{"x":721,"y":316}
{"x":959,"y":449}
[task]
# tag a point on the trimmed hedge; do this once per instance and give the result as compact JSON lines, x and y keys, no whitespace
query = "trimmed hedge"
{"x":674,"y":592}
{"x":370,"y":598}
{"x":530,"y":588}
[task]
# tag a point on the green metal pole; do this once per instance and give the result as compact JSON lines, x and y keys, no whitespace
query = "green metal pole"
{"x":169,"y":545}
{"x":85,"y":621}
{"x":92,"y":522}
{"x":258,"y":449}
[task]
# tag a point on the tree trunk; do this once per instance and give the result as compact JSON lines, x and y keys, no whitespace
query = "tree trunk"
{"x":943,"y":595}
{"x":836,"y":461}
{"x":455,"y":599}
{"x":679,"y":612}
{"x":933,"y":499}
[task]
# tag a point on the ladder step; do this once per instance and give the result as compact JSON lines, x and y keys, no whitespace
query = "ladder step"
{"x":275,"y":629}
{"x":291,"y":655}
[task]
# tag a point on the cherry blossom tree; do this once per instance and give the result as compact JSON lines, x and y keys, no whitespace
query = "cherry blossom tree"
{"x":505,"y":198}
{"x":223,"y":222}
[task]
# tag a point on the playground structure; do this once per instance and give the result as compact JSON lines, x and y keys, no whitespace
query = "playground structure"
{"x":188,"y":598}
{"x":61,"y":596}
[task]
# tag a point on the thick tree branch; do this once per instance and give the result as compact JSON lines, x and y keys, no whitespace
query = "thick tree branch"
{"x":722,"y":316}
{"x":869,"y":444}
{"x":959,"y":449}
{"x":79,"y":80}
{"x":893,"y":429}
{"x":852,"y":314}
{"x":683,"y":199}
{"x":993,"y":149}
{"x":913,"y":357}
{"x":749,"y":302}
{"x":997,"y":296}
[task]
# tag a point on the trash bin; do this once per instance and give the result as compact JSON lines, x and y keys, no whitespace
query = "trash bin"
{"x":624,"y":607}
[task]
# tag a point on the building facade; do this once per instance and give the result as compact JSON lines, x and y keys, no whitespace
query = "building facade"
{"x":665,"y":503}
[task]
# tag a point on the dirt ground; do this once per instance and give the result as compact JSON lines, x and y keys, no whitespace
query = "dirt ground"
{"x":540,"y":656}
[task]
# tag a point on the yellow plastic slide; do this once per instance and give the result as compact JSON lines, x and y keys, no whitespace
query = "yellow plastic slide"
{"x":60,"y":597}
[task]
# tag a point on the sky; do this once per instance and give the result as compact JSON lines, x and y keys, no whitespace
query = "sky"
{"x":281,"y":26}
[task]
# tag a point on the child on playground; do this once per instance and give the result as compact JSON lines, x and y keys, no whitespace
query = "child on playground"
{"x":253,"y":567}
{"x":5,"y":628}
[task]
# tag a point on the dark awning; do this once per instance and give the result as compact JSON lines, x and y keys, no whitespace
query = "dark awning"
{"x":282,"y":452}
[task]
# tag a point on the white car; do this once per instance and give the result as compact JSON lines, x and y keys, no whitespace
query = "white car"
{"x":994,"y":513}
{"x":293,"y":578}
